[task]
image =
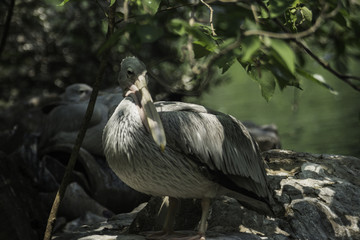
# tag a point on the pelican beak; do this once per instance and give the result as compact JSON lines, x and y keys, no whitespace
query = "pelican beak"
{"x":148,"y":113}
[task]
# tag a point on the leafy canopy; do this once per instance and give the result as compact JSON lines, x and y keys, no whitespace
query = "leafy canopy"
{"x":191,"y":43}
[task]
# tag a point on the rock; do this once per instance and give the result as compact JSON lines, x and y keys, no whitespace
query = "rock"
{"x":77,"y":202}
{"x":94,"y":175}
{"x":317,"y":197}
{"x":320,"y":193}
{"x":88,"y":218}
{"x":266,"y":136}
{"x":104,"y":229}
{"x":21,"y":213}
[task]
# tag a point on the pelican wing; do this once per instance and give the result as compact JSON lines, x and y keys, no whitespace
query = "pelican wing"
{"x":216,"y":140}
{"x":68,"y":118}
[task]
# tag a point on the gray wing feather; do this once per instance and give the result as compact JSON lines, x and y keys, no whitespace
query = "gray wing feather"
{"x":68,"y":118}
{"x":217,"y":140}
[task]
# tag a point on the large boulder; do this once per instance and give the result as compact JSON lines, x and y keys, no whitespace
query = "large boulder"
{"x":317,"y":197}
{"x":21,"y":211}
{"x":267,"y":136}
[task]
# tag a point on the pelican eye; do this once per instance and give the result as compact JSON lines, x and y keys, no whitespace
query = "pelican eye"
{"x":130,"y":71}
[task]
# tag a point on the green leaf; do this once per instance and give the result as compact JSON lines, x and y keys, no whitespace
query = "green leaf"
{"x":250,"y":45}
{"x":265,"y":79}
{"x":318,"y":79}
{"x":200,"y":51}
{"x":120,"y":15}
{"x":112,"y":2}
{"x":151,"y":6}
{"x":63,"y":3}
{"x":307,"y":14}
{"x":149,"y":33}
{"x":277,"y":7}
{"x":203,"y":39}
{"x":283,"y":76}
{"x":341,"y":17}
{"x":267,"y":84}
{"x":111,"y":41}
{"x":285,"y":53}
{"x":250,"y":25}
{"x":225,"y":63}
{"x":198,"y":31}
{"x":178,"y":26}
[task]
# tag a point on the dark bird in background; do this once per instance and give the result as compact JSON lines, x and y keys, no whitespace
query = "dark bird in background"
{"x":63,"y":122}
{"x":181,"y":150}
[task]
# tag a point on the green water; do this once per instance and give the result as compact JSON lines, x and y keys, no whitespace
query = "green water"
{"x":312,"y":120}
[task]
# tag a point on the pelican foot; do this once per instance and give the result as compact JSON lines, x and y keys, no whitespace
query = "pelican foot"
{"x":198,"y":236}
{"x":163,"y":235}
{"x":158,"y":235}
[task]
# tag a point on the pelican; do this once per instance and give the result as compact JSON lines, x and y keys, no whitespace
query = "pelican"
{"x":181,"y":150}
{"x":64,"y":121}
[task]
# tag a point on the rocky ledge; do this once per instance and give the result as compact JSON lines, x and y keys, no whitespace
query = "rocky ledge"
{"x":317,"y":197}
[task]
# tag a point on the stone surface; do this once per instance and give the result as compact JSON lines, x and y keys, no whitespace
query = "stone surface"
{"x":93,"y":175}
{"x":21,"y":211}
{"x":317,"y":197}
{"x":267,"y":136}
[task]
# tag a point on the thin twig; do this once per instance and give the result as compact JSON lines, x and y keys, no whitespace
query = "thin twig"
{"x":253,"y":10}
{"x":126,"y":10}
{"x":159,"y":11}
{"x":75,"y":152}
{"x":104,"y":11}
{"x":201,"y":68}
{"x":189,"y":47}
{"x":7,"y":26}
{"x":211,"y":17}
{"x":176,"y":7}
{"x":222,"y":52}
{"x":211,"y":60}
{"x":326,"y":65}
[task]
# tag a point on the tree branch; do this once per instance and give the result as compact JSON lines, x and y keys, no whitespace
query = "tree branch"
{"x":199,"y":69}
{"x":126,"y":10}
{"x":101,"y":7}
{"x":324,"y":64}
{"x":7,"y":26}
{"x":211,"y":17}
{"x":345,"y":78}
{"x":253,"y":10}
{"x":211,"y":60}
{"x":159,"y":11}
{"x":302,"y":34}
{"x":75,"y":152}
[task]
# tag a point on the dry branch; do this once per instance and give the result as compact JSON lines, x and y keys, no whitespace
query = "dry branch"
{"x":74,"y":154}
{"x":211,"y":17}
{"x":7,"y":25}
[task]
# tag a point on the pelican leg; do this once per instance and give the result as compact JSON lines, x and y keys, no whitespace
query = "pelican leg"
{"x":167,"y":229}
{"x":170,"y":216}
{"x":205,"y":205}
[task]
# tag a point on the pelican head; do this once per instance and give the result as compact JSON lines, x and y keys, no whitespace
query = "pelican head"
{"x":77,"y":92}
{"x":133,"y":80}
